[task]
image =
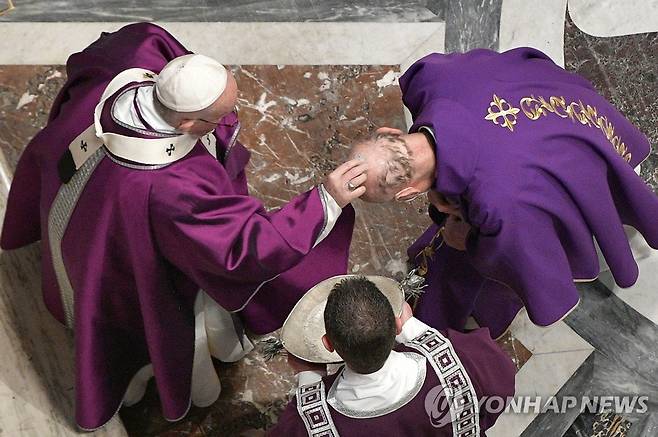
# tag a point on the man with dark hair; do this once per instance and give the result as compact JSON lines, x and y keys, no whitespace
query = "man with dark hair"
{"x":413,"y":389}
{"x":530,"y":166}
{"x":360,"y":324}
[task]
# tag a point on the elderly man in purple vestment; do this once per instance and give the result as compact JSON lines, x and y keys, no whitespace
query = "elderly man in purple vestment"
{"x":432,"y":383}
{"x":528,"y":169}
{"x":136,"y":189}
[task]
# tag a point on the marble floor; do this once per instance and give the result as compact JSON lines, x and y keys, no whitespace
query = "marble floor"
{"x":313,"y":77}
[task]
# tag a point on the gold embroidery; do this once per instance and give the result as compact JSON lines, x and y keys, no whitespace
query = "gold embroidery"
{"x":558,"y":102}
{"x":428,"y":252}
{"x":609,"y":424}
{"x":503,"y":113}
{"x":10,"y":7}
{"x":536,"y":107}
{"x":531,"y":108}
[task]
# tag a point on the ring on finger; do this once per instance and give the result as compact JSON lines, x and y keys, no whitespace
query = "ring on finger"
{"x":351,"y":186}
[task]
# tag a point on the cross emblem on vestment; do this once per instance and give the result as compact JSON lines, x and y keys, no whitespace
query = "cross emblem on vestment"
{"x":170,"y":149}
{"x":83,"y":145}
{"x":502,"y":110}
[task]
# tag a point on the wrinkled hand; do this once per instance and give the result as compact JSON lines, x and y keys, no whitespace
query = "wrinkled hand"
{"x":455,"y":232}
{"x":407,"y":313}
{"x":299,"y":365}
{"x":442,"y":204}
{"x":345,"y":183}
{"x":389,"y":130}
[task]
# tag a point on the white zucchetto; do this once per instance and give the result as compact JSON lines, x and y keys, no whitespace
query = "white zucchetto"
{"x":191,"y":83}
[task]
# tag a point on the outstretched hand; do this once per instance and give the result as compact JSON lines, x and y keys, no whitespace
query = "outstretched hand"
{"x":346,"y":182}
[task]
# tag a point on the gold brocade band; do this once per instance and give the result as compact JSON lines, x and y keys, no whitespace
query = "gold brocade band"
{"x":502,"y":113}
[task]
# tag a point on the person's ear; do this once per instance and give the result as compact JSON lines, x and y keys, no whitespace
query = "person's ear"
{"x":186,"y":125}
{"x":407,"y":193}
{"x":398,"y":325}
{"x":327,"y":343}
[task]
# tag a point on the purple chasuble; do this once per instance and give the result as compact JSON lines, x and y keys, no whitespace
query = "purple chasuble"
{"x":540,"y":164}
{"x":142,"y":240}
{"x":491,"y":372}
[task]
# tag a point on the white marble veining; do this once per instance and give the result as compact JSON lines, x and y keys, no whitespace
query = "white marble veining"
{"x":540,"y":23}
{"x":614,"y":17}
{"x":226,"y":10}
{"x":534,"y":23}
{"x":432,"y":42}
{"x":472,"y":24}
{"x":240,"y":43}
{"x":557,"y":352}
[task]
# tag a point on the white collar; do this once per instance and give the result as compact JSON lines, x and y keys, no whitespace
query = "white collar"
{"x":161,"y":150}
{"x":158,"y":151}
{"x":123,"y":110}
{"x":382,"y":392}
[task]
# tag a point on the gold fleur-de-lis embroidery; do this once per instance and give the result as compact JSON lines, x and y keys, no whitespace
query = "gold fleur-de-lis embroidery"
{"x":499,"y":108}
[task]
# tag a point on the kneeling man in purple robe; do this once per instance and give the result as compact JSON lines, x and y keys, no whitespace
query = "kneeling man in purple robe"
{"x":432,"y":383}
{"x":153,"y":252}
{"x":527,"y":168}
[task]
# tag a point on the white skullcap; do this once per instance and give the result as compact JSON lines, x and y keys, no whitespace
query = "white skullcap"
{"x":191,"y":83}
